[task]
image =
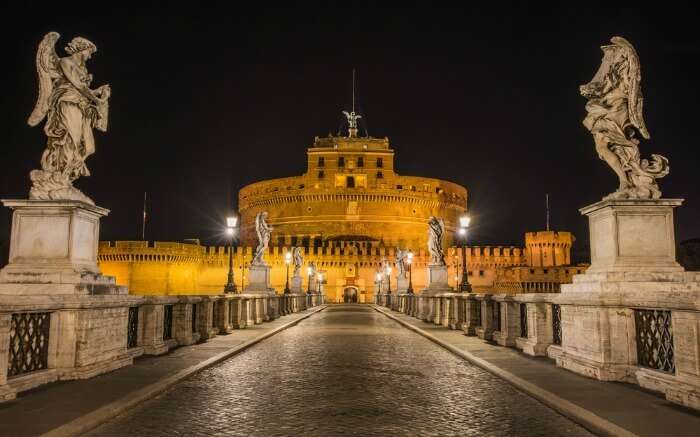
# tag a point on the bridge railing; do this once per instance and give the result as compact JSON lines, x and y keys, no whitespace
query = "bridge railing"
{"x":80,"y":336}
{"x":657,"y":335}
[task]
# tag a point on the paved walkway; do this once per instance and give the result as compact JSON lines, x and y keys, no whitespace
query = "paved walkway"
{"x":69,"y":407}
{"x":621,"y":405}
{"x":347,"y":370}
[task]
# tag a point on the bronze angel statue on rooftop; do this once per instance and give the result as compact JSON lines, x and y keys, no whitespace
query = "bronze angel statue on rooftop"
{"x":72,"y":109}
{"x":615,"y":119}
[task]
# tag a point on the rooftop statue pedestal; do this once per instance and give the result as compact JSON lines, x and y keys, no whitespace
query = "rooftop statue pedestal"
{"x":53,"y":249}
{"x":631,"y":290}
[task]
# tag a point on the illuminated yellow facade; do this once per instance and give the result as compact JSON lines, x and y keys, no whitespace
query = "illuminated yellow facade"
{"x":348,"y":212}
{"x":350,"y":192}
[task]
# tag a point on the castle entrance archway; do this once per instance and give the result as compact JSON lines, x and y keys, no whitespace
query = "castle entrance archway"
{"x":350,"y":295}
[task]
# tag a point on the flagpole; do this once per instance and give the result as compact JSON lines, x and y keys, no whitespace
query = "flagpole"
{"x":143,"y":225}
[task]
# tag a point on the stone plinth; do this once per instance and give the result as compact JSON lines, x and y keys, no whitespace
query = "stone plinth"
{"x":632,"y":236}
{"x":437,"y":282}
{"x":633,"y":269}
{"x":296,"y":284}
{"x":259,"y":279}
{"x":53,"y":249}
{"x":401,"y":284}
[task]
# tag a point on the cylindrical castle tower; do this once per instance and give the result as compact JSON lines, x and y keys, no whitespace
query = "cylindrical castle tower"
{"x":351,"y":192}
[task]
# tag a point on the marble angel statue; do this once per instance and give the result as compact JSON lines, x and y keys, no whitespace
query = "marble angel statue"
{"x":436,"y":230}
{"x":264,"y":231}
{"x":615,"y":120}
{"x":399,"y":259}
{"x":298,"y":260}
{"x":71,"y":109}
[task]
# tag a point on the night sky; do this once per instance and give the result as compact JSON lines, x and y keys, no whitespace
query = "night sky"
{"x":205,"y":101}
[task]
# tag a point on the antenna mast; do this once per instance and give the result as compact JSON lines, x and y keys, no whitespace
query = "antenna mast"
{"x":353,"y":90}
{"x":143,"y":224}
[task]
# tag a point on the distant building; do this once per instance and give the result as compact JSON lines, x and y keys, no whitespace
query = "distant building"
{"x":348,"y":212}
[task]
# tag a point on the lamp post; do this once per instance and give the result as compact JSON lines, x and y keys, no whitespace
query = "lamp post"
{"x":310,"y":272}
{"x":287,"y":260}
{"x":231,"y":223}
{"x":388,"y":280}
{"x":410,"y":279}
{"x":243,"y":266}
{"x":379,"y":283}
{"x":320,"y":279}
{"x":463,"y":226}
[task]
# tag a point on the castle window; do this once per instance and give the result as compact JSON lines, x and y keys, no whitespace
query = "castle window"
{"x":280,"y":241}
{"x":350,"y":182}
{"x":341,"y":161}
{"x":321,"y":161}
{"x":294,"y":241}
{"x":380,"y":175}
{"x":380,"y":163}
{"x":321,"y":175}
{"x":481,"y":273}
{"x":399,"y":187}
{"x":360,"y":162}
{"x":545,"y":271}
{"x":305,"y":241}
{"x":532,"y":271}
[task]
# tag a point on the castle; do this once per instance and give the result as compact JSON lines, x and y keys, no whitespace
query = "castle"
{"x":348,"y":211}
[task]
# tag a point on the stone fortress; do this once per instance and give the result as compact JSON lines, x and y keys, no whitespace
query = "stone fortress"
{"x":349,"y":211}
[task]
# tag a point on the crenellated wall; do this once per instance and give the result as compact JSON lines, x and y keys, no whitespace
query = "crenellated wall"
{"x":180,"y":268}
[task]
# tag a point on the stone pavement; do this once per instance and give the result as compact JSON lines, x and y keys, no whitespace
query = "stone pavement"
{"x":347,"y":370}
{"x":622,"y":405}
{"x":69,"y":407}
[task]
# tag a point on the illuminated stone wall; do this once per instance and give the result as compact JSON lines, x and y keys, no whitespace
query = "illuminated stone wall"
{"x":350,"y":191}
{"x":178,"y":268}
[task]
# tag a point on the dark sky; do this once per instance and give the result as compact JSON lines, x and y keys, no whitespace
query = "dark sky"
{"x":206,"y":100}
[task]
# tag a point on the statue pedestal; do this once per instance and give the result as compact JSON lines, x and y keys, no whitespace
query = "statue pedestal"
{"x":401,"y":284}
{"x":259,"y":279}
{"x":633,"y":288}
{"x":53,"y":249}
{"x":437,"y":280}
{"x":632,"y":236}
{"x":296,"y":284}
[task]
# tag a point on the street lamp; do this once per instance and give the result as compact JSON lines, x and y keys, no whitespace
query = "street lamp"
{"x":320,"y":279}
{"x":463,"y":226}
{"x":388,"y":279}
{"x":379,"y":283}
{"x":287,"y":260}
{"x":231,"y":223}
{"x":310,"y":272}
{"x":410,"y":279}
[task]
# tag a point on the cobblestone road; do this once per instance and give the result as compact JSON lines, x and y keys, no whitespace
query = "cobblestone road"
{"x":347,"y":370}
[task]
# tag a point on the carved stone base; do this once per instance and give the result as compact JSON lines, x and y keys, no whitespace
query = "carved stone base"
{"x":401,"y":284}
{"x":296,"y":284}
{"x":53,"y":249}
{"x":259,"y":279}
{"x":632,"y":236}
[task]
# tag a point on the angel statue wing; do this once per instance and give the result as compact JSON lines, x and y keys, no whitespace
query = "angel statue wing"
{"x":635,"y":102}
{"x":47,"y":70}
